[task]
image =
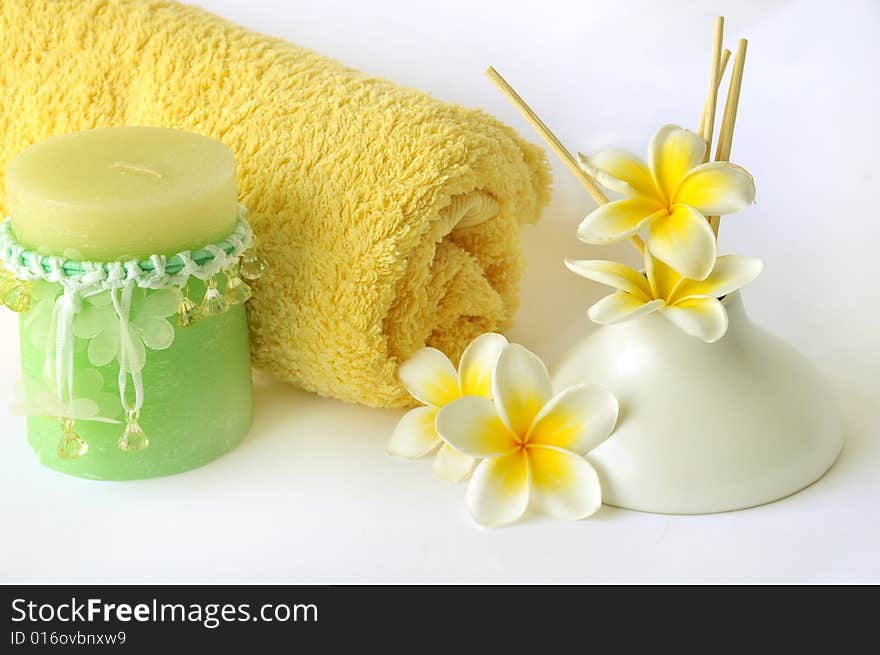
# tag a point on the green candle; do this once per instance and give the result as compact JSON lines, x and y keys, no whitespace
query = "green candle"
{"x":120,"y":379}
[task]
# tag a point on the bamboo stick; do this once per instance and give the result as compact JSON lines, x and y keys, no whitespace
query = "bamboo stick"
{"x":708,"y":126}
{"x":725,"y":57}
{"x":555,"y":144}
{"x":728,"y":121}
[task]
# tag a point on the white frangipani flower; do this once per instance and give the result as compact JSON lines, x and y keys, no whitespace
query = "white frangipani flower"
{"x":431,"y":379}
{"x":671,"y":197}
{"x":692,"y":305}
{"x":532,"y":442}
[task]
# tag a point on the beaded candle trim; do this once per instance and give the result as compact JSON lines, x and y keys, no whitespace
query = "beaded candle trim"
{"x":122,"y":310}
{"x":154,"y":272}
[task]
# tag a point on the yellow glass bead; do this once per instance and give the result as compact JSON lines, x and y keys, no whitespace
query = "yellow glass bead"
{"x":71,"y":445}
{"x":252,"y":265}
{"x":214,"y":303}
{"x":133,"y":437}
{"x":18,"y":298}
{"x":188,"y":313}
{"x":238,"y":292}
{"x":7,"y":281}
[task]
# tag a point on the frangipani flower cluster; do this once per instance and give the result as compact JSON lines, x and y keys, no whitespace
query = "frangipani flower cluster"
{"x":671,"y":197}
{"x":531,"y":443}
{"x":692,"y":305}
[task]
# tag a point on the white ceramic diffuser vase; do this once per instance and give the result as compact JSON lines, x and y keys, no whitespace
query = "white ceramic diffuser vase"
{"x":705,"y":427}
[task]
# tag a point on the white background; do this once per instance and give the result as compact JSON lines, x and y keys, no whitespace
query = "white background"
{"x":310,"y":496}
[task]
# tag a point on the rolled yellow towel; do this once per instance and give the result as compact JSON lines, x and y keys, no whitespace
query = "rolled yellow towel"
{"x":390,"y":220}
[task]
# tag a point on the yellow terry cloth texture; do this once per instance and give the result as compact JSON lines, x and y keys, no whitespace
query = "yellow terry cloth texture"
{"x":390,"y":220}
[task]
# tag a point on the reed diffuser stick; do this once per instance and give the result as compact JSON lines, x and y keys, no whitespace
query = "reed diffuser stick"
{"x":725,"y":57}
{"x":728,"y":121}
{"x":707,"y":128}
{"x":555,"y":144}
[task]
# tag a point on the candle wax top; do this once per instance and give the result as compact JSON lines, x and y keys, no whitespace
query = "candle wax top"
{"x":122,"y":193}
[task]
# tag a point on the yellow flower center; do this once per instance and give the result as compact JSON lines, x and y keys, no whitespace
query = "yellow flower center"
{"x":522,"y":442}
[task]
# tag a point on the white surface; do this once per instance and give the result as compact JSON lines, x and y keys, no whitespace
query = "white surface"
{"x":311,"y":497}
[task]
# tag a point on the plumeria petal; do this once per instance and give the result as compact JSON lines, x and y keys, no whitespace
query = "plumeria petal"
{"x":672,"y":153}
{"x":619,"y":307}
{"x":104,"y":346}
{"x":731,"y":272}
{"x":662,"y":279}
{"x":612,"y":274}
{"x":471,"y":425}
{"x":478,"y":363}
{"x":564,"y":484}
{"x":617,"y":220}
{"x":716,"y":188}
{"x":521,"y":386}
{"x":704,"y":318}
{"x":415,"y":435}
{"x":577,"y":419}
{"x":430,"y":377}
{"x":452,"y":466}
{"x":156,"y":332}
{"x":621,"y":171}
{"x":498,"y":492}
{"x":684,"y":240}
